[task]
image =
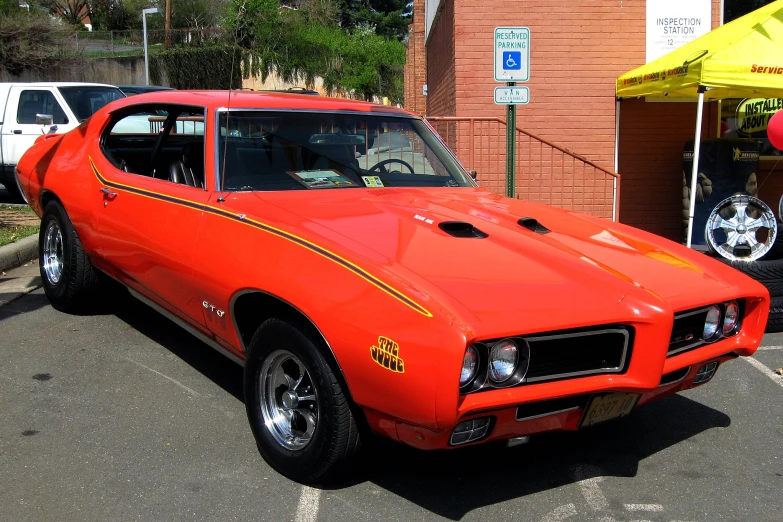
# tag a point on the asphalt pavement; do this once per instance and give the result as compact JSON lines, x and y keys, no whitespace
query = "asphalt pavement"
{"x":121,"y":415}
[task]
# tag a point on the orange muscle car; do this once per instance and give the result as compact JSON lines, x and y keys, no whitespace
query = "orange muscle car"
{"x":343,"y":256}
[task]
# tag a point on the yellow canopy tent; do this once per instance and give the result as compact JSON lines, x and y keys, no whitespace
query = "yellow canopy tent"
{"x":741,"y":59}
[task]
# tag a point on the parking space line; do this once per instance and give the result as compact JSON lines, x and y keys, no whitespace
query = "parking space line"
{"x":590,"y":488}
{"x":644,"y":507}
{"x":307,"y":510}
{"x":192,"y":392}
{"x":763,"y":369}
{"x":560,"y":514}
{"x":770,"y":348}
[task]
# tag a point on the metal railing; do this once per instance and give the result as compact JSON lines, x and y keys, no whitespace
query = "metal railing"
{"x":100,"y":43}
{"x":545,"y":172}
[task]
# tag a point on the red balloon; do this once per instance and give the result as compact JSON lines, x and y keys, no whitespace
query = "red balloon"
{"x":775,"y":130}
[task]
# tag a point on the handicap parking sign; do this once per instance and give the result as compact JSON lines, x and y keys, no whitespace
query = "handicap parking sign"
{"x":512,"y":54}
{"x":512,"y":60}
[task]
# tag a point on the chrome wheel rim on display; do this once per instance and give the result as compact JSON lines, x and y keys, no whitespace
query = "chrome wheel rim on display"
{"x":53,"y":253}
{"x":288,"y":400}
{"x":741,"y":228}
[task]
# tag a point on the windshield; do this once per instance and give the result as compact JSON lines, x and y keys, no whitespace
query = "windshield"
{"x":84,"y":101}
{"x":319,"y":150}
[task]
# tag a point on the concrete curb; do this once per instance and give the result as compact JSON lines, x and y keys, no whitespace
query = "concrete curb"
{"x":19,"y":252}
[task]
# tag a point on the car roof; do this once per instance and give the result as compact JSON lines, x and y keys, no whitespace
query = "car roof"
{"x":256,"y":100}
{"x":145,"y":88}
{"x":59,"y":84}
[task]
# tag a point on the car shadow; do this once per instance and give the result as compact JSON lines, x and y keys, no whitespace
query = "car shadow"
{"x":454,"y":483}
{"x":201,"y":357}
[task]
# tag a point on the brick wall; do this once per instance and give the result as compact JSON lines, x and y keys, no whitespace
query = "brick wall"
{"x":578,"y":49}
{"x":416,"y":62}
{"x":441,"y":65}
{"x":652,"y":137}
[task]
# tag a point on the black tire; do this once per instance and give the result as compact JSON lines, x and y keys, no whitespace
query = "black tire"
{"x":775,"y":321}
{"x":776,"y":252}
{"x":768,"y":273}
{"x":335,"y":440}
{"x":78,"y":280}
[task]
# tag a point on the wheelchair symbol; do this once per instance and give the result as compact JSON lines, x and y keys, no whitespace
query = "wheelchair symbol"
{"x":512,"y":61}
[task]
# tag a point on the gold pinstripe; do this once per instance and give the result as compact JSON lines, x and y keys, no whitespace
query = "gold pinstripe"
{"x":279,"y":233}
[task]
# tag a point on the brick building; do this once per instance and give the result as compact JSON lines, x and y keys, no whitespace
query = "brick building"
{"x":578,"y":49}
{"x":416,"y":62}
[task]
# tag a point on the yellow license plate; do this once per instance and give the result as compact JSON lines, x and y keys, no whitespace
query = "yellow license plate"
{"x":605,"y":407}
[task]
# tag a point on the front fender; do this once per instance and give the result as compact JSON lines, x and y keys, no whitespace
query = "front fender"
{"x":366,"y":322}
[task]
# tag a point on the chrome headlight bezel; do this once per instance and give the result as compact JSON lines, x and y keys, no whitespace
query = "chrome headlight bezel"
{"x":713,"y":324}
{"x":734,"y":311}
{"x":504,"y":352}
{"x":472,"y":373}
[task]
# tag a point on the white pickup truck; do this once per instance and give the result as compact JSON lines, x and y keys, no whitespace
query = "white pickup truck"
{"x":28,"y":110}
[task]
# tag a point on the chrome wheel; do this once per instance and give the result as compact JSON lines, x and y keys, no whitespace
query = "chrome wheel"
{"x":53,"y":253}
{"x":741,"y":228}
{"x":288,"y":400}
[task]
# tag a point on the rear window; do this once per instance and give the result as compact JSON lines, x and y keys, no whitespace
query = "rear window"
{"x":84,"y":101}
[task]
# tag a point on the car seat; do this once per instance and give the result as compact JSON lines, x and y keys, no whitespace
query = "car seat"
{"x":189,"y":169}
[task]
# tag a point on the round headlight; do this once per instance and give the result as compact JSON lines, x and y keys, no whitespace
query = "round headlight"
{"x":503,"y":359}
{"x":731,"y":320}
{"x":712,"y":324}
{"x":470,"y":364}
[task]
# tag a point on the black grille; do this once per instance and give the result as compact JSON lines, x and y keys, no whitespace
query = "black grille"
{"x":579,"y":353}
{"x":675,"y":376}
{"x":687,"y":331}
{"x":534,"y":410}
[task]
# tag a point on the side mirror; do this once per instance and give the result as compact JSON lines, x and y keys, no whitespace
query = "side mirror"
{"x":44,"y":119}
{"x":473,"y":174}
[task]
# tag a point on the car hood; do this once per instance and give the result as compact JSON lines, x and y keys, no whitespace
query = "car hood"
{"x":567,"y":270}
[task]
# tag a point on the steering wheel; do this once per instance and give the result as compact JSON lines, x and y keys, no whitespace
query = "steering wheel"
{"x":380,"y":166}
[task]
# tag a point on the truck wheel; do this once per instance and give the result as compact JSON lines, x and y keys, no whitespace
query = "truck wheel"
{"x":741,"y":228}
{"x":69,"y":279}
{"x":300,"y":416}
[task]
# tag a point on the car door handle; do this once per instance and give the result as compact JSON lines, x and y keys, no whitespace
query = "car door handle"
{"x":108,"y":192}
{"x":17,"y":131}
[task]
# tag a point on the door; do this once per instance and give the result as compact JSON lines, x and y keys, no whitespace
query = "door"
{"x":150,"y":215}
{"x":20,"y":129}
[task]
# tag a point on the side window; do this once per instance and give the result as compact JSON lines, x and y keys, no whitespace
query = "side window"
{"x":160,"y":141}
{"x":39,"y":102}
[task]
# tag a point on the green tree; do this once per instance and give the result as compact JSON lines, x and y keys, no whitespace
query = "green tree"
{"x":389,"y":17}
{"x":30,"y":40}
{"x":195,"y":13}
{"x":73,"y":12}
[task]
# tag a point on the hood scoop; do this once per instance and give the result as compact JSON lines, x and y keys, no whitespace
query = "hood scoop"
{"x":461,"y":229}
{"x":533,"y":225}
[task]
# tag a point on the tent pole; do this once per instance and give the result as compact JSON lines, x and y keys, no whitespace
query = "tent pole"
{"x":616,"y":157}
{"x":695,"y":170}
{"x":617,"y":136}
